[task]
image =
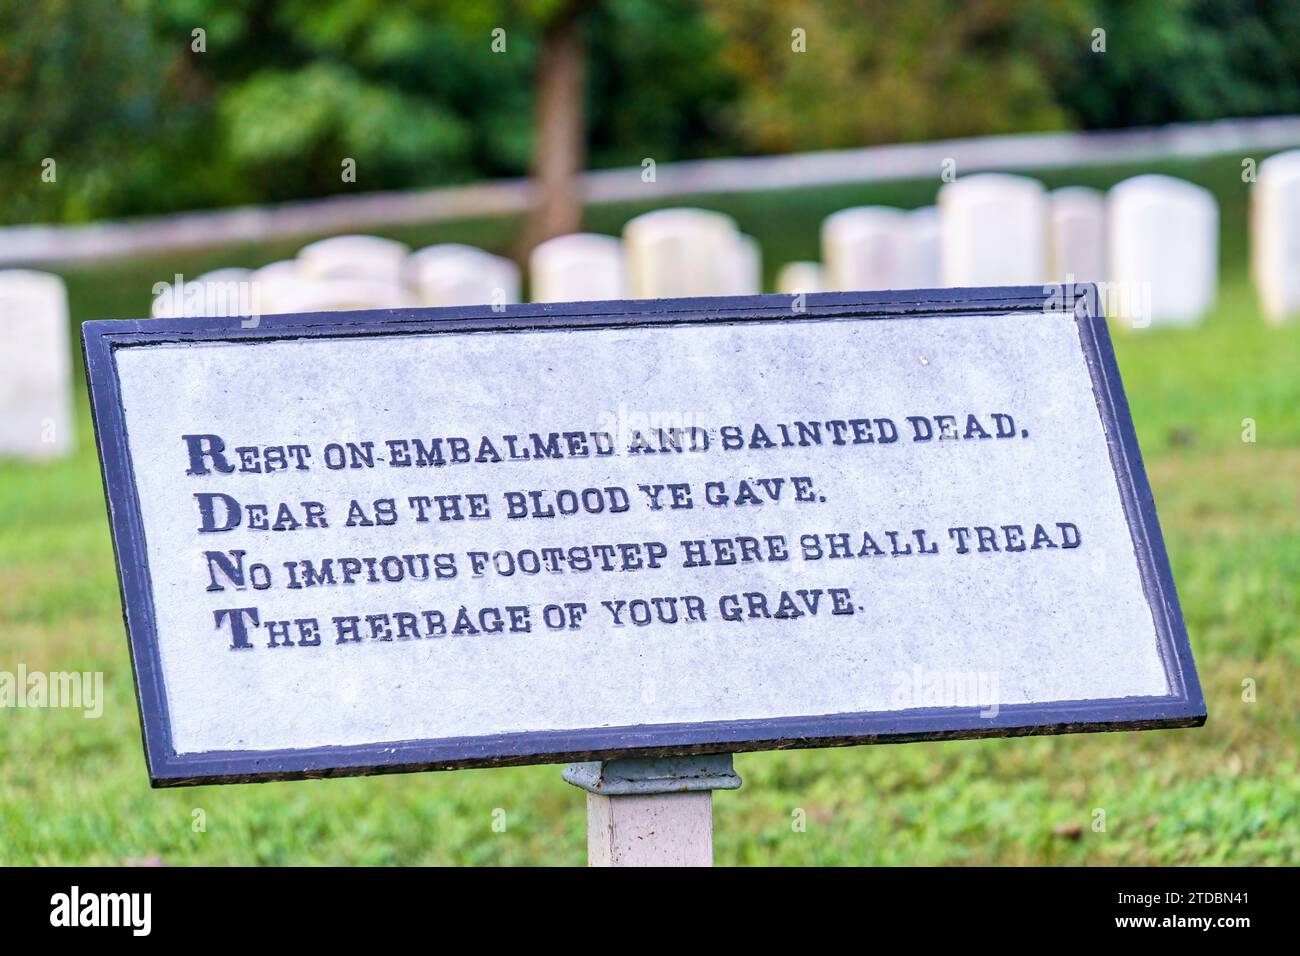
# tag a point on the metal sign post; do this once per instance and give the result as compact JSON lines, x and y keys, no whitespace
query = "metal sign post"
{"x":652,"y":811}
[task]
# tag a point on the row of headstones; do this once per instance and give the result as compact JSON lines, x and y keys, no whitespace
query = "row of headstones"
{"x":347,"y":272}
{"x":1151,"y":241}
{"x":670,"y":252}
{"x":1150,"y":232}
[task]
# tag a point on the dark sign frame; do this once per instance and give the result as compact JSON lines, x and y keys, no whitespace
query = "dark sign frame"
{"x":1184,"y":707}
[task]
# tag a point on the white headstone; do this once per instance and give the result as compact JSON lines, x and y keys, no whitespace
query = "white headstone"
{"x":582,"y":267}
{"x":35,"y":366}
{"x":681,"y":252}
{"x":1078,"y":242}
{"x":1275,"y":235}
{"x":454,"y":274}
{"x":744,"y":271}
{"x":993,"y":231}
{"x":1163,"y":248}
{"x":865,"y":248}
{"x":921,"y":263}
{"x":342,"y":295}
{"x":796,"y":277}
{"x":275,"y":282}
{"x":354,"y":257}
{"x":283,"y":270}
{"x":221,"y":292}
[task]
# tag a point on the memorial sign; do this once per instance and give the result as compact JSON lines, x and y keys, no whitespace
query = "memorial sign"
{"x":437,"y":538}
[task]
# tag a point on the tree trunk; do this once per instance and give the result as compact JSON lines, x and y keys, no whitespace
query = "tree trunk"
{"x":559,"y":145}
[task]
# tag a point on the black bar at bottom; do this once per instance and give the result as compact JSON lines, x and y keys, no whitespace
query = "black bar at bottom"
{"x":333,"y":906}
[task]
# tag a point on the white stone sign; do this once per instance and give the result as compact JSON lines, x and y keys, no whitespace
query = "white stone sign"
{"x":35,"y":366}
{"x":413,"y":545}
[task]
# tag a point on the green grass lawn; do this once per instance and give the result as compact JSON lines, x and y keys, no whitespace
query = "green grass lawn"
{"x":75,"y":791}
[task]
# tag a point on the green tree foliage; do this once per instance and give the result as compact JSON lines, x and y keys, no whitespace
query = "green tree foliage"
{"x":338,"y":115}
{"x":658,"y":84}
{"x":82,"y":83}
{"x":874,"y":71}
{"x":137,"y":120}
{"x":1171,"y":60}
{"x":284,"y":90}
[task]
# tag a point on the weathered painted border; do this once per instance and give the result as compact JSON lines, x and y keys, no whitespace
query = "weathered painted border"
{"x":1184,"y":707}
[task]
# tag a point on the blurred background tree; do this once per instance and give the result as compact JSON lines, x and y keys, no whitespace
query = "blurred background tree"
{"x":1180,"y":60}
{"x":143,"y":115}
{"x":880,"y":72}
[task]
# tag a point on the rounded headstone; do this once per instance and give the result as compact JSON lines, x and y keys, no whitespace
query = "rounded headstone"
{"x":681,"y":252}
{"x":275,"y":282}
{"x":797,"y":277}
{"x":1078,"y":235}
{"x":865,"y":248}
{"x":354,"y":257}
{"x":343,"y":295}
{"x":744,"y":270}
{"x":1163,"y":250}
{"x":993,"y":231}
{"x":921,"y":263}
{"x":582,"y":267}
{"x":1275,"y":235}
{"x":450,"y":274}
{"x":35,"y":366}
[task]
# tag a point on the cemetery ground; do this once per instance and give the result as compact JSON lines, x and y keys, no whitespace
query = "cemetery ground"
{"x":75,"y":791}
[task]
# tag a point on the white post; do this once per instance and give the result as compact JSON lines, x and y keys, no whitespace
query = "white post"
{"x":652,"y":811}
